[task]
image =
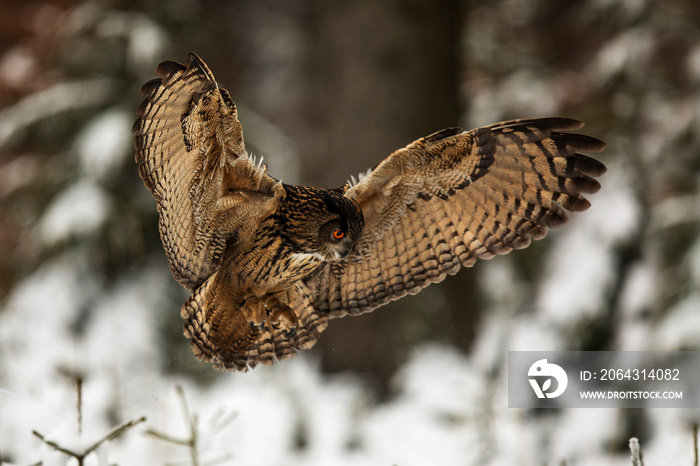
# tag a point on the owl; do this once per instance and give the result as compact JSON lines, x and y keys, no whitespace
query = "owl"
{"x":269,"y":264}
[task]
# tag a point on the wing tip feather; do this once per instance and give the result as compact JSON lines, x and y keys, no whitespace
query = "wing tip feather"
{"x":151,"y":86}
{"x":194,"y":62}
{"x":168,"y":68}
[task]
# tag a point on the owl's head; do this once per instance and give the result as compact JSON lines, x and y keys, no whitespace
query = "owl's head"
{"x":338,"y":234}
{"x":324,"y":222}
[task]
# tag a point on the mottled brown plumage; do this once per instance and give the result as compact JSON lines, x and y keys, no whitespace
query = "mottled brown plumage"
{"x":268,"y":264}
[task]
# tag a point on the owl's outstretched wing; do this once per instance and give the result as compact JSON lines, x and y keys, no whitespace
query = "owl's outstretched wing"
{"x":451,"y":198}
{"x":191,"y":155}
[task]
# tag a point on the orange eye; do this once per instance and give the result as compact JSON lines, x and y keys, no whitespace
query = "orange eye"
{"x":338,"y":234}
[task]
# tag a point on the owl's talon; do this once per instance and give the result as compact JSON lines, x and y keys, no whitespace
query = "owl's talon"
{"x":259,"y":327}
{"x":291,"y":333}
{"x":281,"y":317}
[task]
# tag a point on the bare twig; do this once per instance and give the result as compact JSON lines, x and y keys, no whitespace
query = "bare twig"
{"x":222,"y":419}
{"x":117,"y":431}
{"x":191,"y":420}
{"x":80,"y":456}
{"x":220,"y":460}
{"x":56,"y":446}
{"x":192,"y":442}
{"x":636,"y":452}
{"x":79,"y":388}
{"x":167,"y":438}
{"x":695,"y":444}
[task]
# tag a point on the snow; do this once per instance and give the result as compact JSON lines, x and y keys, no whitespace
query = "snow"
{"x":534,"y":334}
{"x":572,"y":443}
{"x":521,"y":92}
{"x":16,"y":66}
{"x":581,"y":265}
{"x":61,"y":97}
{"x":681,"y":327}
{"x":615,"y":212}
{"x":631,"y":48}
{"x":499,"y":280}
{"x":675,"y":211}
{"x":47,"y":303}
{"x":104,"y":144}
{"x":488,"y":350}
{"x":637,"y":336}
{"x":146,"y":39}
{"x":578,"y":274}
{"x":433,"y":418}
{"x":16,"y":174}
{"x":640,"y":290}
{"x":631,"y":8}
{"x":115,"y":354}
{"x":672,"y":443}
{"x":441,"y":380}
{"x":693,"y":62}
{"x":694,"y":261}
{"x":76,"y":212}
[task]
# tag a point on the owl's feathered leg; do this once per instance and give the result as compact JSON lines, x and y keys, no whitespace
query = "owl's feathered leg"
{"x":222,"y":324}
{"x":256,"y":312}
{"x":237,"y":331}
{"x":281,"y":316}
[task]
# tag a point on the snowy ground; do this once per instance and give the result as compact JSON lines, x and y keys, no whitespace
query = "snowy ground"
{"x":449,"y":408}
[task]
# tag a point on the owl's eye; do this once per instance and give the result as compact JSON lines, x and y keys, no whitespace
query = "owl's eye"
{"x":338,"y":234}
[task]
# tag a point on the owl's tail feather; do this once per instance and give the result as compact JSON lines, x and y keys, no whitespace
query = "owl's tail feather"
{"x":236,"y":332}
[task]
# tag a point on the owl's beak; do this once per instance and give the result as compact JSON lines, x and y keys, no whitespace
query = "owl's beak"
{"x":342,"y":252}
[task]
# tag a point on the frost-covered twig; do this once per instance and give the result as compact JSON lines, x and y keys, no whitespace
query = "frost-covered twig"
{"x":636,"y":452}
{"x":695,"y":445}
{"x":221,"y":420}
{"x":220,"y":460}
{"x":191,"y":421}
{"x":79,"y":446}
{"x":78,"y":451}
{"x":79,"y":389}
{"x":192,"y":442}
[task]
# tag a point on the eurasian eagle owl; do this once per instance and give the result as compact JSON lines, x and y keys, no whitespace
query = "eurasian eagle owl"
{"x":268,"y":264}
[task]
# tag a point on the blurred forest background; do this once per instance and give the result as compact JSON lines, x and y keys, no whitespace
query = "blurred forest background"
{"x":326,"y":90}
